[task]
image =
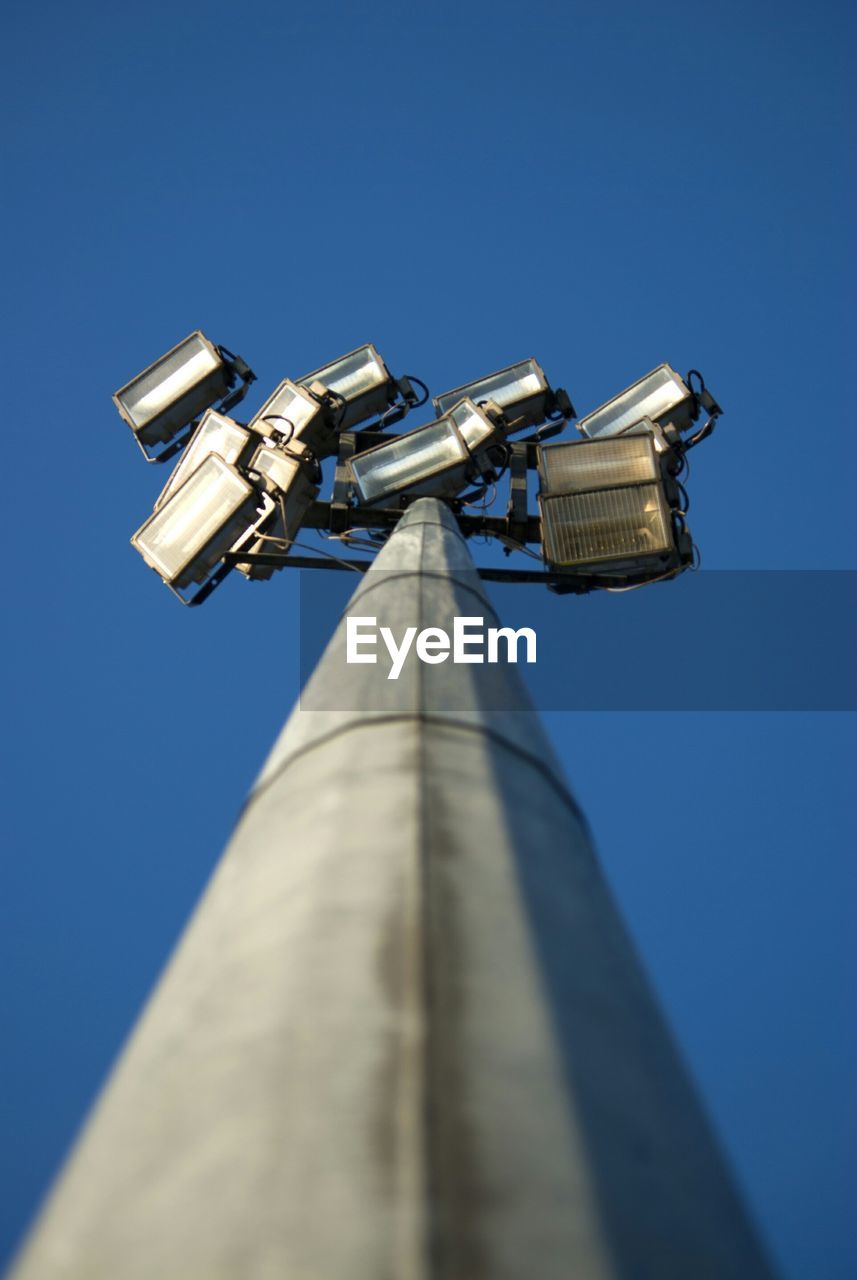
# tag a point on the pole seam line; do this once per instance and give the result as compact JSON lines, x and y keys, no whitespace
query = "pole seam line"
{"x":432,"y":1242}
{"x":426,"y":718}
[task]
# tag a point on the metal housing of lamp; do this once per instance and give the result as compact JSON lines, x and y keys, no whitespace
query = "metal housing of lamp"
{"x":214,"y":511}
{"x":662,"y":396}
{"x":167,"y":397}
{"x":611,"y":507}
{"x":359,"y":386}
{"x":522,"y":392}
{"x":437,"y":460}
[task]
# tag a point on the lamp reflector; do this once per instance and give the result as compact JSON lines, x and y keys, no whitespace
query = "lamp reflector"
{"x":215,"y":434}
{"x":608,"y":525}
{"x":292,"y":411}
{"x":361,"y":380}
{"x":579,"y":465}
{"x":435,"y":459}
{"x":174,"y":390}
{"x":474,"y":425}
{"x":661,"y":395}
{"x":205,"y":516}
{"x":407,"y":460}
{"x":521,"y":390}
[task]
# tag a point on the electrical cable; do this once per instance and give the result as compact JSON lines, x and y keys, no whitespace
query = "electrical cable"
{"x":701,"y":434}
{"x":281,"y":417}
{"x":635,"y":586}
{"x":426,"y":393}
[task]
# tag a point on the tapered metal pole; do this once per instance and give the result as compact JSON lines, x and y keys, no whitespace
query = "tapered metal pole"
{"x":404,"y":1034}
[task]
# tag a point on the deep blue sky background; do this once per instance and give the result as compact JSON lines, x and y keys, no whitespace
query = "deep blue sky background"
{"x":605,"y":186}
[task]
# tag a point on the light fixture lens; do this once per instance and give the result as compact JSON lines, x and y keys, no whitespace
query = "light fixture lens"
{"x":215,"y":434}
{"x":186,"y":537}
{"x":661,"y":395}
{"x":520,"y":390}
{"x":473,"y":423}
{"x":613,"y":524}
{"x":290,"y":410}
{"x":360,"y":379}
{"x":574,"y":467}
{"x":407,"y":460}
{"x":174,"y":390}
{"x":279,"y":468}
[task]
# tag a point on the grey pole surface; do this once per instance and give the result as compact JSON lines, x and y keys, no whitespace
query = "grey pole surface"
{"x":404,"y":1035}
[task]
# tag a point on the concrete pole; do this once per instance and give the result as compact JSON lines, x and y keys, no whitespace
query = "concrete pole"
{"x":404,"y":1036}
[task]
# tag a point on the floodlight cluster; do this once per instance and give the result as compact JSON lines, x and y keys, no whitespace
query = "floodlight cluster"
{"x":611,"y":506}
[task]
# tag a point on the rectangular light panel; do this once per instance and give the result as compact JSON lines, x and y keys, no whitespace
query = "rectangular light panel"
{"x":600,"y":464}
{"x":510,"y":388}
{"x":661,"y":395}
{"x":614,"y":524}
{"x":473,"y":423}
{"x":407,"y":460}
{"x":289,"y":409}
{"x":215,"y":434}
{"x":277,"y":467}
{"x":362,"y":380}
{"x":201,"y":521}
{"x":174,"y":390}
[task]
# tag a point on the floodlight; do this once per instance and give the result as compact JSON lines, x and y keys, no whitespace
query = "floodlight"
{"x":172,"y":392}
{"x":295,"y":414}
{"x":662,"y":396}
{"x":285,"y":473}
{"x":607,"y":507}
{"x":521,"y":391}
{"x":215,"y":434}
{"x":575,"y":468}
{"x":359,"y":383}
{"x":437,"y":459}
{"x":203,"y":519}
{"x":612,"y":525}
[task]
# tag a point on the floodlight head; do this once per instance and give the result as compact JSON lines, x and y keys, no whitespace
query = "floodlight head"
{"x":522,"y":392}
{"x":168,"y":396}
{"x":211,"y":513}
{"x":661,"y":395}
{"x":436,"y":460}
{"x":359,"y":385}
{"x":216,"y":433}
{"x":286,"y":474}
{"x":293,"y":413}
{"x":607,"y":509}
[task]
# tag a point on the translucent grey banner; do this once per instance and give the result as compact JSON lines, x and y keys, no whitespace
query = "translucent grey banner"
{"x":749,"y":640}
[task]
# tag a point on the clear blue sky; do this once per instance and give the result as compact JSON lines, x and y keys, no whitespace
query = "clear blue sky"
{"x":605,"y":186}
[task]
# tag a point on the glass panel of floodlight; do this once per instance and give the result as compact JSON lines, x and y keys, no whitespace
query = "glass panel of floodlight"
{"x":176,"y":375}
{"x":352,"y":375}
{"x":276,"y":466}
{"x":288,"y":411}
{"x":198,"y":523}
{"x":599,"y":464}
{"x":474,"y":425}
{"x":654,"y":397}
{"x":407,"y":460}
{"x":508,"y":387}
{"x":215,"y":434}
{"x":614,"y":524}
